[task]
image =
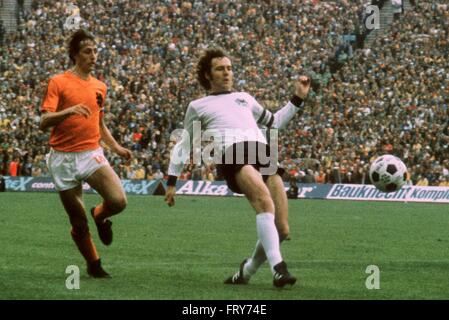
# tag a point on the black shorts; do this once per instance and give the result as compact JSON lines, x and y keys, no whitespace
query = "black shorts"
{"x":229,"y":170}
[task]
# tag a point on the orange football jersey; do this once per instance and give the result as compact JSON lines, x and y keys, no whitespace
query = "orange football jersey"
{"x":75,"y":133}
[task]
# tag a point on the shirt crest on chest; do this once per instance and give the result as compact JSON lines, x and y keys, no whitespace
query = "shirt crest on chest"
{"x":241,"y":102}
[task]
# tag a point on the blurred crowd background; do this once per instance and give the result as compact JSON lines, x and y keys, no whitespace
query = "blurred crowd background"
{"x":389,"y":97}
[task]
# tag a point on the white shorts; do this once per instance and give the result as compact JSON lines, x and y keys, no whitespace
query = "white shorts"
{"x":70,"y":169}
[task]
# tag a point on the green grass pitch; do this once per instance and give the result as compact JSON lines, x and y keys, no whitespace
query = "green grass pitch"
{"x":185,"y":252}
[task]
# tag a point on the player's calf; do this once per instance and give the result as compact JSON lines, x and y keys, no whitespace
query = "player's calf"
{"x":104,"y":228}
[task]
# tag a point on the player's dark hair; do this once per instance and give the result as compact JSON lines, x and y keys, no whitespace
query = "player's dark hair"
{"x":205,"y":64}
{"x":75,"y":40}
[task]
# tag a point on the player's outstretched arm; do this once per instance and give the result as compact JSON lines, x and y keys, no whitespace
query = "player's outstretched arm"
{"x":180,"y":155}
{"x":280,"y":119}
{"x":107,"y":137}
{"x":50,"y":119}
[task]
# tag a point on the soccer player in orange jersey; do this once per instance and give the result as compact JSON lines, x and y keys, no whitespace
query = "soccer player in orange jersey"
{"x":73,"y":108}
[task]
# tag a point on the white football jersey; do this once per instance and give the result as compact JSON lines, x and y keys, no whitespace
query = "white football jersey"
{"x":232,"y":116}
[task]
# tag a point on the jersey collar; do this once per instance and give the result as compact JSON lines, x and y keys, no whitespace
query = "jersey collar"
{"x":220,"y":92}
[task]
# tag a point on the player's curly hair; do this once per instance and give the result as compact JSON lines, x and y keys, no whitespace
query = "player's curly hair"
{"x":74,"y":44}
{"x":205,"y":63}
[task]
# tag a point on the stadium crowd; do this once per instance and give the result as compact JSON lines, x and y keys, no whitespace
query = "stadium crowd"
{"x":390,"y":97}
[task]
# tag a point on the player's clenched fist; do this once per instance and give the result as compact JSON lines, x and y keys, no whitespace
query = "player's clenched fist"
{"x":123,"y":152}
{"x":302,"y":87}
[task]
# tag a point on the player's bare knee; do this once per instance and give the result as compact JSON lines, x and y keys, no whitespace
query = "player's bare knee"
{"x":265,"y":203}
{"x":117,"y":205}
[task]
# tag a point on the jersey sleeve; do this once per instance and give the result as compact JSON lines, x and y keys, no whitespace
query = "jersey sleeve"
{"x":180,"y":154}
{"x":51,"y":98}
{"x":277,"y":120}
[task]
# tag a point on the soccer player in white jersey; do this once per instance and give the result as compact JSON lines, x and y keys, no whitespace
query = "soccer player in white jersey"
{"x":227,"y":111}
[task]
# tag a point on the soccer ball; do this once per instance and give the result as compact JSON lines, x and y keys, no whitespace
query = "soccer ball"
{"x":388,"y":173}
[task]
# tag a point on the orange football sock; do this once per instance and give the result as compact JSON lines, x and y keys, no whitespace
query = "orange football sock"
{"x":86,"y":246}
{"x":100,"y":212}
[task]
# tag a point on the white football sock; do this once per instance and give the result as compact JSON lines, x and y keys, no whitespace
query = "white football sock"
{"x":256,"y":260}
{"x":269,"y":237}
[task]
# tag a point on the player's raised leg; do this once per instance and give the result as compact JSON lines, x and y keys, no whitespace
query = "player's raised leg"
{"x":106,"y":182}
{"x":72,"y":201}
{"x":251,"y":183}
{"x":276,"y":188}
